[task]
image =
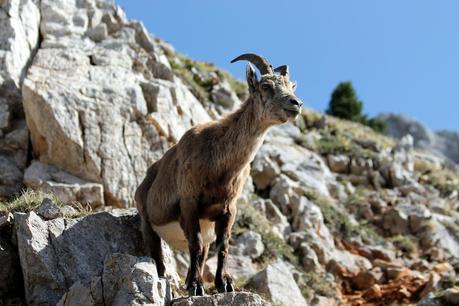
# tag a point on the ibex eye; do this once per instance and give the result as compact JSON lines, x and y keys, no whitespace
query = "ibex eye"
{"x":266,"y":86}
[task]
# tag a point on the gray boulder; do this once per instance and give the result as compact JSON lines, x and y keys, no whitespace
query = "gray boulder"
{"x":125,"y":280}
{"x":228,"y":299}
{"x":277,"y":283}
{"x":250,"y":244}
{"x":56,"y":254}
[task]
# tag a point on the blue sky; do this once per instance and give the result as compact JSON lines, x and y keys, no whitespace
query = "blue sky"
{"x":402,"y":56}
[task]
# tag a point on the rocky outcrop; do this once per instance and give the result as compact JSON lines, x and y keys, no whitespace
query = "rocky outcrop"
{"x":230,"y":299}
{"x":443,"y":143}
{"x":124,"y":106}
{"x":19,"y":38}
{"x":125,"y":280}
{"x":56,"y":254}
{"x":352,"y":216}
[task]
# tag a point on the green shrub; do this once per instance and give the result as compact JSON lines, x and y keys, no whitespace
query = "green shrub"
{"x":345,"y":104}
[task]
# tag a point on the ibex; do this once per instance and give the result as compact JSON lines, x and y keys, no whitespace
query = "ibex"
{"x":188,"y":197}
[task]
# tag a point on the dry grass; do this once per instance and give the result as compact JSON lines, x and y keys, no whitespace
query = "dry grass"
{"x":30,"y":199}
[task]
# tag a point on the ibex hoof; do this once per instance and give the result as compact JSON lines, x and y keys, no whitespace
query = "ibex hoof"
{"x":227,"y":286}
{"x":195,"y":289}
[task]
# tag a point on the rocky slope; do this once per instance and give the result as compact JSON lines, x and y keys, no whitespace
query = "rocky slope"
{"x":444,"y":144}
{"x":333,"y":213}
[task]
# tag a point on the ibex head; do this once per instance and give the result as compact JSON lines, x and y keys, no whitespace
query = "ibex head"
{"x":274,"y":92}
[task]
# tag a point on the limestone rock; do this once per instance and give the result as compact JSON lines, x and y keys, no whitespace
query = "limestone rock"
{"x":278,"y":284}
{"x":125,"y":280}
{"x":103,"y":111}
{"x":263,"y":171}
{"x":396,"y":222}
{"x":19,"y":32}
{"x":57,"y":253}
{"x":338,"y":163}
{"x":250,"y":244}
{"x":442,"y":143}
{"x":65,"y":186}
{"x":223,"y":95}
{"x":128,"y":280}
{"x":239,"y":267}
{"x":229,"y":299}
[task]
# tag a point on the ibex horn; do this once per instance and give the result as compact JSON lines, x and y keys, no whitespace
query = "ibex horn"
{"x":259,"y":61}
{"x":283,"y":70}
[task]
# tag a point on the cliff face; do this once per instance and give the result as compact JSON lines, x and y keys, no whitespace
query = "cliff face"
{"x":333,"y":212}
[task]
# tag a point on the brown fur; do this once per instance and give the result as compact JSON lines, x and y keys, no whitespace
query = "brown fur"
{"x":202,"y":176}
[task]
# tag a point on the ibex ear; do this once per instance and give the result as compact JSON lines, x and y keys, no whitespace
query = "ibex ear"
{"x":252,"y":79}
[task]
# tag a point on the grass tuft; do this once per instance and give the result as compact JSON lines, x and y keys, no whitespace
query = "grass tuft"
{"x":30,"y":199}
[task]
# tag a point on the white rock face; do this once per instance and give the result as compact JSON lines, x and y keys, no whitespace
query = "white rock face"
{"x":103,"y":107}
{"x":66,"y":187}
{"x":277,"y":283}
{"x":19,"y":27}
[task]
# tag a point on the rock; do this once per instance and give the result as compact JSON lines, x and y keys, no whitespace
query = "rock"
{"x":98,"y":33}
{"x":250,"y":244}
{"x":430,"y":300}
{"x":364,"y":280}
{"x":323,"y":301}
{"x":281,"y":192}
{"x":395,"y":222}
{"x":19,"y":37}
{"x":240,"y":267}
{"x":431,"y":285}
{"x":6,"y":219}
{"x":278,"y":284}
{"x":360,"y":166}
{"x":128,"y":279}
{"x":417,"y":215}
{"x":338,"y":163}
{"x":437,"y":237}
{"x":442,"y":143}
{"x":230,"y":299}
{"x":65,"y":186}
{"x":451,"y":296}
{"x":57,"y":253}
{"x":10,"y":177}
{"x":309,"y":259}
{"x":124,"y":107}
{"x":280,"y":224}
{"x":125,"y":280}
{"x":263,"y":171}
{"x":223,"y":95}
{"x":48,"y":210}
{"x":78,"y":294}
{"x":10,"y":280}
{"x":311,"y":229}
{"x":68,"y":211}
{"x":299,"y":164}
